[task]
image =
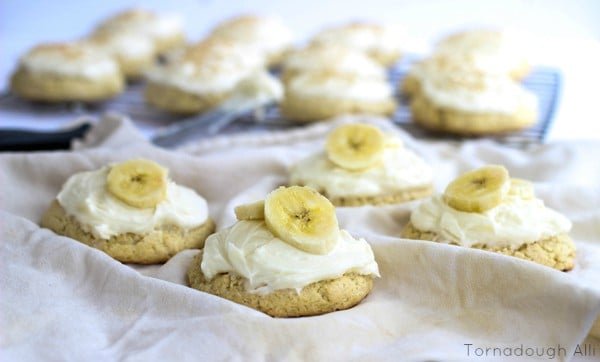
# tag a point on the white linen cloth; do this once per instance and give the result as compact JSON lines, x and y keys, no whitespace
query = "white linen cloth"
{"x":62,"y":300}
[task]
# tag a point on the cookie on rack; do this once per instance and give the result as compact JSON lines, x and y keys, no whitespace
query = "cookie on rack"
{"x":164,"y":30}
{"x":286,"y":257}
{"x":135,"y":53}
{"x":200,"y":77}
{"x":486,"y":209}
{"x":320,"y":95}
{"x":332,"y":58}
{"x":267,"y":35}
{"x":61,"y":72}
{"x":489,"y":50}
{"x":362,"y":165}
{"x":473,"y":103}
{"x":131,"y":211}
{"x":380,"y":42}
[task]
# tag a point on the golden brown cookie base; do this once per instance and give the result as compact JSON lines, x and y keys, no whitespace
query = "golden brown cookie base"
{"x":303,"y":108}
{"x":176,"y":100}
{"x":444,"y":119}
{"x":134,"y":68}
{"x":556,"y":252}
{"x":314,"y":299}
{"x":165,"y":44}
{"x":155,"y":247}
{"x":48,"y":87}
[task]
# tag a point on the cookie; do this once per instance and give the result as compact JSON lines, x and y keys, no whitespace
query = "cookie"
{"x":473,"y":104}
{"x":382,"y":43}
{"x":557,"y":252}
{"x":316,"y":298}
{"x":200,"y":77}
{"x":132,"y":211}
{"x":62,"y":72}
{"x":316,"y":96}
{"x":157,"y":246}
{"x":487,"y":209}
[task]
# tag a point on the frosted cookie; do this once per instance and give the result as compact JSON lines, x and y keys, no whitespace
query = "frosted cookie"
{"x":135,"y":53}
{"x":199,"y":78}
{"x":132,"y":211}
{"x":164,"y":30}
{"x":363,"y":166}
{"x":316,"y":96}
{"x":497,"y":52}
{"x":382,"y":43}
{"x":269,"y":36}
{"x":334,"y":59}
{"x":485,"y":209}
{"x":286,"y":257}
{"x":473,"y":104}
{"x":66,"y":72}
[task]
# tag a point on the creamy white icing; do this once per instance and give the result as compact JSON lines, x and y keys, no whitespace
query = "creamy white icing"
{"x":208,"y":67}
{"x":398,"y":169}
{"x":72,"y":59}
{"x":513,"y":222}
{"x":267,"y":34}
{"x":340,"y":86}
{"x":333,"y":58}
{"x":250,"y":250}
{"x":86,"y":197}
{"x":363,"y":37}
{"x":478,"y":92}
{"x":157,"y":26}
{"x":255,"y":90}
{"x":125,"y":45}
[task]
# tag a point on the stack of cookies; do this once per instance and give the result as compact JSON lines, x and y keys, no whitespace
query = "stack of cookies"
{"x":95,"y":68}
{"x":470,"y":86}
{"x":341,"y":71}
{"x":203,"y":75}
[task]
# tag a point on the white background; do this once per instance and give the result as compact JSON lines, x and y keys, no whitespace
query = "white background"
{"x":566,"y":35}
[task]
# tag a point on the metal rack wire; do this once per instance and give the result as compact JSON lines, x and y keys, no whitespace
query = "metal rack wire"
{"x":544,"y":82}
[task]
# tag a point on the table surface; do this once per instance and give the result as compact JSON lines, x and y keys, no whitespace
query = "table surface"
{"x":564,"y":35}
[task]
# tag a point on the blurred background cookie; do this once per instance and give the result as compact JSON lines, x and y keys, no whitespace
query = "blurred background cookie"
{"x":315,"y":96}
{"x":57,"y":72}
{"x":473,"y":103}
{"x":200,"y":77}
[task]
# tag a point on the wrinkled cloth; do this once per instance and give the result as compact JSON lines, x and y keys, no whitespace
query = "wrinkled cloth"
{"x":62,"y":300}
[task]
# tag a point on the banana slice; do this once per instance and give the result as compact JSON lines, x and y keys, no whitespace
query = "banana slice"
{"x":478,"y":190}
{"x":355,"y":146}
{"x":521,"y":188}
{"x":303,"y":218}
{"x":253,"y":211}
{"x":139,"y":183}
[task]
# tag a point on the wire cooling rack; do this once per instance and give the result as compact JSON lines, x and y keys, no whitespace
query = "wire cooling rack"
{"x":544,"y":82}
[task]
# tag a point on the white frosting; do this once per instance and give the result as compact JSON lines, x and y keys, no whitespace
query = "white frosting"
{"x":266,"y":34}
{"x":363,"y":37}
{"x":335,"y":59}
{"x":124,"y":45}
{"x":73,"y":59}
{"x":493,"y":51}
{"x":250,"y":250}
{"x":86,"y":197}
{"x":477,"y":92}
{"x":257,"y":89}
{"x":156,"y":26}
{"x":210,"y":67}
{"x":513,"y":222}
{"x":398,"y":169}
{"x":341,"y":86}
